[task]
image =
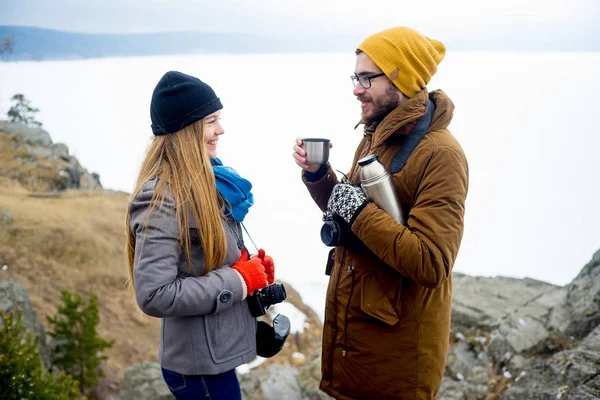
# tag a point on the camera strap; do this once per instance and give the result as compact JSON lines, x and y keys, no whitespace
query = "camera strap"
{"x":413,"y":138}
{"x":249,"y":237}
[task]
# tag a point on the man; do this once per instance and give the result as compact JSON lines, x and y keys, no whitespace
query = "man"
{"x":387,"y":315}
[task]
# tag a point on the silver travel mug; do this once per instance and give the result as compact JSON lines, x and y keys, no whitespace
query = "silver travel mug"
{"x":317,"y":150}
{"x":377,"y":184}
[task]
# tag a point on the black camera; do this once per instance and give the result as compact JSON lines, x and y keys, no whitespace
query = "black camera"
{"x":269,"y":339}
{"x":336,"y":232}
{"x":264,"y":298}
{"x":332,"y":231}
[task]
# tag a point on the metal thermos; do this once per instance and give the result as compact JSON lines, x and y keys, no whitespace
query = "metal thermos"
{"x":377,"y":184}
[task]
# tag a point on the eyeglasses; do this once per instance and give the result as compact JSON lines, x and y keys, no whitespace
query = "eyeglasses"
{"x":364,"y":80}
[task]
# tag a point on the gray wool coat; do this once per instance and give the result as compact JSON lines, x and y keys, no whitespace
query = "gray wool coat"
{"x":206,"y":327}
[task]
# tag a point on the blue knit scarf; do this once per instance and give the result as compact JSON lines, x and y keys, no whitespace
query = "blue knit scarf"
{"x":234,"y":188}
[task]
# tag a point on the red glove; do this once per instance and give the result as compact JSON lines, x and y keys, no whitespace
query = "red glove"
{"x":252,"y":271}
{"x":267,"y":262}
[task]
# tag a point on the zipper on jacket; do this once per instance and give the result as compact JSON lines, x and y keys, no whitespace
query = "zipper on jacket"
{"x":351,"y":272}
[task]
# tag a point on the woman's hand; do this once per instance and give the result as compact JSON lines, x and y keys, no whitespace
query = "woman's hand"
{"x":252,"y":271}
{"x":267,"y":262}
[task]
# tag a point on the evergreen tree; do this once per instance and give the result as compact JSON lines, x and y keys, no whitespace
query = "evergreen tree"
{"x":78,"y":345}
{"x":7,"y":44}
{"x":22,"y":374}
{"x":22,"y":111}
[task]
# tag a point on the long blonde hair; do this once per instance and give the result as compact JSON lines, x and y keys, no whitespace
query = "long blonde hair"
{"x":182,"y":167}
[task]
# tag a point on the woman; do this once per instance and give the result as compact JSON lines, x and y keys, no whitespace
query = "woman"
{"x":187,"y":261}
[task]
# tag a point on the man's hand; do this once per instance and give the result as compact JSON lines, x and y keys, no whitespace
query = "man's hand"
{"x":300,"y":157}
{"x":347,"y":201}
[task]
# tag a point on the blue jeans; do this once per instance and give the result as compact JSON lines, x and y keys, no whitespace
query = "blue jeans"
{"x":223,"y":386}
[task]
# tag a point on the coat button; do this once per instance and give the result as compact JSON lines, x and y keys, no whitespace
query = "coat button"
{"x":225,"y":297}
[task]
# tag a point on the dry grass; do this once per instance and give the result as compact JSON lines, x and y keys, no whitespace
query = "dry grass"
{"x":75,"y":241}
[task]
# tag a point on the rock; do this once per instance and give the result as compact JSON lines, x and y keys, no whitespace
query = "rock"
{"x":461,"y":390}
{"x":309,"y":378}
{"x":105,"y":390}
{"x":62,"y":151}
{"x":517,"y":335}
{"x":13,"y":296}
{"x":144,"y":381}
{"x":39,"y":151}
{"x":281,"y":383}
{"x":499,"y":350}
{"x":537,"y":392}
{"x":461,"y":361}
{"x":6,"y":217}
{"x":63,"y":181}
{"x":272,"y":383}
{"x":27,"y":134}
{"x":524,"y":334}
{"x":486,"y":302}
{"x":479,"y":376}
{"x":40,"y":165}
{"x":284,"y":382}
{"x":516,"y":364}
{"x":579,"y":313}
{"x":250,"y":384}
{"x":589,"y":390}
{"x":566,"y":375}
{"x":80,"y":178}
{"x":585,"y":360}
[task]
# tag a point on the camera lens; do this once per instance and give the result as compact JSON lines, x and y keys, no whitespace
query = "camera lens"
{"x":331,"y":233}
{"x":273,"y":294}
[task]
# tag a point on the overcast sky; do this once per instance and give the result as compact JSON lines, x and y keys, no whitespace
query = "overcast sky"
{"x":551,"y":20}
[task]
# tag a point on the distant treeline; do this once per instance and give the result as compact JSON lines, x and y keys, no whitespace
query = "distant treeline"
{"x":46,"y":44}
{"x":29,"y":43}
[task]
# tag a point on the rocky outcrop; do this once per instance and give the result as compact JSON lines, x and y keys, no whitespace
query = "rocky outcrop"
{"x":144,"y":381}
{"x":511,"y":339}
{"x":13,"y":296}
{"x":284,"y":382}
{"x":26,"y":134}
{"x":32,"y":159}
{"x":569,"y":374}
{"x":579,"y":313}
{"x":274,"y":382}
{"x":487,"y":302}
{"x":525,"y":339}
{"x":294,"y":373}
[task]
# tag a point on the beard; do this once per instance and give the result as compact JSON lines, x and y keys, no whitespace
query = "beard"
{"x":381,"y":107}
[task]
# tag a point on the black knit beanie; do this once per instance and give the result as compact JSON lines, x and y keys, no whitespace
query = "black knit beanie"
{"x":180,"y":100}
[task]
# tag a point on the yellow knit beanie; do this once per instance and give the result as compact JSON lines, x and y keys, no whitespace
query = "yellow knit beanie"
{"x":414,"y":55}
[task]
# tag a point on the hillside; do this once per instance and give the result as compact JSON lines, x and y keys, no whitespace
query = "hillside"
{"x":56,"y":235}
{"x":75,"y":241}
{"x":512,"y":339}
{"x":60,"y":230}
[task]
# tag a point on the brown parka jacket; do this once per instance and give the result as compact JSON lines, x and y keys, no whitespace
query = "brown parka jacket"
{"x":387,"y":315}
